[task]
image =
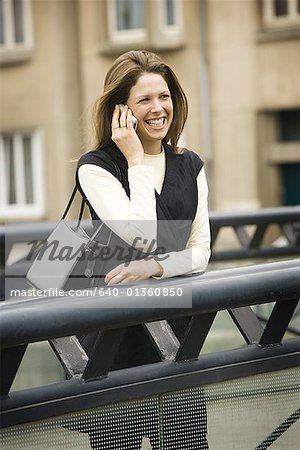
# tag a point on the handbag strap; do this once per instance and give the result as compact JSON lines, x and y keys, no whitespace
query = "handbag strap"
{"x":70,"y":203}
{"x":83,"y":202}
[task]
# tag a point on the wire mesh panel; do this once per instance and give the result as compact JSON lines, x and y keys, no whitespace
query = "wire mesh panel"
{"x":120,"y":427}
{"x":264,"y":409}
{"x":184,"y":420}
{"x":256,"y":412}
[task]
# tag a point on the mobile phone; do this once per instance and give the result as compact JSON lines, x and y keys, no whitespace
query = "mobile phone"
{"x":134,"y":119}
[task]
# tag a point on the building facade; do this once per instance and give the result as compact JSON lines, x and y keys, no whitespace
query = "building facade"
{"x":237,"y":60}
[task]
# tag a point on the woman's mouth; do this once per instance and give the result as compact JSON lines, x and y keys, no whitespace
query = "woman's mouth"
{"x":156,"y":123}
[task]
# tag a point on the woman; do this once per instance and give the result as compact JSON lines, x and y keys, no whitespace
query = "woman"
{"x":149,"y":192}
{"x":158,"y":181}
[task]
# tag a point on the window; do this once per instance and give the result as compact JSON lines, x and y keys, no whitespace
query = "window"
{"x":129,"y":14}
{"x":15,"y":29}
{"x":172,"y":12}
{"x":152,"y":24}
{"x":280,"y":8}
{"x":281,"y":13}
{"x":286,"y":153}
{"x":289,"y":125}
{"x":21,"y":193}
{"x":126,"y":20}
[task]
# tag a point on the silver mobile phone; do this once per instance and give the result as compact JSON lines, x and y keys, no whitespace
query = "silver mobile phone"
{"x":134,"y":119}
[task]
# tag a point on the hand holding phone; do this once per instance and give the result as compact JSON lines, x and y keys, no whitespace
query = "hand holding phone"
{"x":134,"y":119}
{"x":127,"y":141}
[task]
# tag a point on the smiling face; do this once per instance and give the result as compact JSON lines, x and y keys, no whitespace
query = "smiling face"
{"x":151,"y":103}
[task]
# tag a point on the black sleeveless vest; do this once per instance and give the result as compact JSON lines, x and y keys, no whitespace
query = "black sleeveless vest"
{"x":176,"y":205}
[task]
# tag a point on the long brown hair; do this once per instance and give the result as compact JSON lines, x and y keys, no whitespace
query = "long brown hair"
{"x":123,"y":74}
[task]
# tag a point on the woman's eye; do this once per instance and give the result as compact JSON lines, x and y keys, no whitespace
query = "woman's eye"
{"x":143,"y":100}
{"x":166,"y":96}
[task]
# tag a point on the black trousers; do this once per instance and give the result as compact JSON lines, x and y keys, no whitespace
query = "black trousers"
{"x":136,"y":349}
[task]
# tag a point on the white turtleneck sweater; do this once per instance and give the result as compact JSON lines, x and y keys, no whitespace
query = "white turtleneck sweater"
{"x":136,"y":216}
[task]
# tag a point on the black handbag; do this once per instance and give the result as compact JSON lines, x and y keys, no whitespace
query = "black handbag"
{"x":68,"y":257}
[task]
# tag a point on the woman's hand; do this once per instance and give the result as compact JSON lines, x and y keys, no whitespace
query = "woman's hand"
{"x":124,"y":135}
{"x":134,"y":271}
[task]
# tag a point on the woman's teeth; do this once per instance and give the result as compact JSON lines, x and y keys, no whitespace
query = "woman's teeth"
{"x":156,"y":122}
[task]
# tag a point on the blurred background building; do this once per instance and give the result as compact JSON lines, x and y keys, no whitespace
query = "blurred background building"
{"x":237,"y":60}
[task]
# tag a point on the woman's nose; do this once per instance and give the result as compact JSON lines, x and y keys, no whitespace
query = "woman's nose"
{"x":156,"y":106}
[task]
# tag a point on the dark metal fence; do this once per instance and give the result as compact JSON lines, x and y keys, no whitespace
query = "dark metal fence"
{"x":250,"y":228}
{"x":184,"y":384}
{"x":92,"y":382}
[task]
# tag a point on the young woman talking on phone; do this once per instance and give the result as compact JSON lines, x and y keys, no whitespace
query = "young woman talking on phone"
{"x":138,"y":175}
{"x":139,"y":183}
{"x":150,"y":193}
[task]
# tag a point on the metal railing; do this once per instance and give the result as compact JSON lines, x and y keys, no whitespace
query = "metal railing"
{"x":251,"y":230}
{"x":94,"y":381}
{"x":251,"y":242}
{"x":181,"y":363}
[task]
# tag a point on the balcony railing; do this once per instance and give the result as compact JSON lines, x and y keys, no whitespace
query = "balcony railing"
{"x":181,"y":370}
{"x":246,"y":397}
{"x":251,"y":230}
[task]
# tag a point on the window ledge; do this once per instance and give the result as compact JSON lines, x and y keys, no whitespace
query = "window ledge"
{"x":110,"y":49}
{"x":116,"y":48}
{"x":19,"y":213}
{"x":15,"y":55}
{"x":268,"y":35}
{"x":283,"y":153}
{"x":167,"y":41}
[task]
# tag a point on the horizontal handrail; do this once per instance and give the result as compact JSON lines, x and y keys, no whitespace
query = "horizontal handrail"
{"x":20,"y":232}
{"x":251,"y":245}
{"x":266,"y":215}
{"x":252,"y":242}
{"x":39,"y":319}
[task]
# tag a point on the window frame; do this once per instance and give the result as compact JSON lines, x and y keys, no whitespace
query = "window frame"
{"x":156,"y":34}
{"x":21,"y":209}
{"x":177,"y":26}
{"x":11,"y":50}
{"x":271,"y":21}
{"x":116,"y":36}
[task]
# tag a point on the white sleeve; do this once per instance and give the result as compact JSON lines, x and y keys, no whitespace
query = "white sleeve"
{"x":130,"y":218}
{"x":194,"y":258}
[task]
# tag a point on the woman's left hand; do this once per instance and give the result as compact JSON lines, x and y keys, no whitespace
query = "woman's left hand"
{"x":134,"y":271}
